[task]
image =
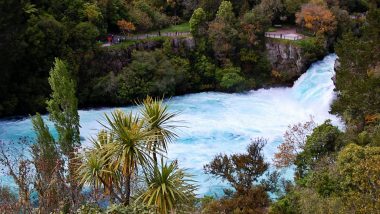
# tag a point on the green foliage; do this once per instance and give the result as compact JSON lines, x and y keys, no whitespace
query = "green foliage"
{"x":45,"y":147}
{"x":158,"y":120}
{"x":359,"y":170}
{"x":293,"y":6}
{"x":243,"y":173}
{"x":168,"y":188}
{"x":146,"y":17}
{"x":230,"y":78}
{"x":63,"y":106}
{"x":324,"y":141}
{"x":225,"y":12}
{"x":197,"y":22}
{"x":117,"y":209}
{"x":132,"y":209}
{"x":155,"y":74}
{"x":184,"y":27}
{"x":206,"y":70}
{"x":312,"y":48}
{"x":92,"y":13}
{"x":83,"y":36}
{"x":357,"y":78}
{"x":287,"y":204}
{"x":132,"y":143}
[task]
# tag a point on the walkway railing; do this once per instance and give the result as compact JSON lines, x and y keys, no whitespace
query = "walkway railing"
{"x":283,"y":36}
{"x":150,"y":35}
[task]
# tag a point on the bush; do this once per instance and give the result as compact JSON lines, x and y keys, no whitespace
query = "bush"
{"x":230,"y":78}
{"x":313,"y":48}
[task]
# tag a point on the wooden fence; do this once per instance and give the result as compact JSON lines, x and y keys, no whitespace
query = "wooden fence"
{"x":151,"y":35}
{"x":283,"y":36}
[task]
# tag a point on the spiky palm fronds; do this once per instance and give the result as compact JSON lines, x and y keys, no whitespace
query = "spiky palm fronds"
{"x":168,"y":187}
{"x":128,"y":150}
{"x":159,"y":121}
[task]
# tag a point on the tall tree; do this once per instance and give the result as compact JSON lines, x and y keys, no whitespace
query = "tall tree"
{"x":129,"y":150}
{"x":222,"y":33}
{"x":317,"y":18}
{"x":63,"y":112}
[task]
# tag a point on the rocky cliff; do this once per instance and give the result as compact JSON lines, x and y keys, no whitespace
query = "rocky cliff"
{"x":288,"y":59}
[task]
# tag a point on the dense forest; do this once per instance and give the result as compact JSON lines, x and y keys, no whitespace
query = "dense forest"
{"x":229,"y":53}
{"x":48,"y":50}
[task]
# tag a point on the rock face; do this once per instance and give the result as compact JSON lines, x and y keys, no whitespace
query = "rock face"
{"x":336,"y":67}
{"x":285,"y":58}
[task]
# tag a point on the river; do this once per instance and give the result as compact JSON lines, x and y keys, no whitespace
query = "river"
{"x":216,"y":122}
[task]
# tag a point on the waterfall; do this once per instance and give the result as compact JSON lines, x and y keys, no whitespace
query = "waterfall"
{"x":224,"y":123}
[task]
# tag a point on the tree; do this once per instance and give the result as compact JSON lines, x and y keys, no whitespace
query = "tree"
{"x":125,"y":26}
{"x":15,"y":164}
{"x":198,"y":23}
{"x":153,"y":73}
{"x":273,"y":9}
{"x":230,"y":78}
{"x":222,"y":33}
{"x":359,"y":170}
{"x":294,"y":142}
{"x":223,"y":38}
{"x":83,"y":36}
{"x":92,"y":12}
{"x":111,"y":166}
{"x":317,"y":18}
{"x":242,"y":172}
{"x":49,"y":168}
{"x":323,"y":142}
{"x":129,"y":148}
{"x":63,"y":112}
{"x":168,"y":188}
{"x":293,"y":6}
{"x":159,"y":121}
{"x":225,"y":12}
{"x":356,"y":78}
{"x":8,"y":200}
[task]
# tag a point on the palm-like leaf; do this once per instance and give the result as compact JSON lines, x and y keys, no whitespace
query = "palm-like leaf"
{"x":159,"y":121}
{"x":130,"y":138}
{"x":95,"y":169}
{"x":167,"y":187}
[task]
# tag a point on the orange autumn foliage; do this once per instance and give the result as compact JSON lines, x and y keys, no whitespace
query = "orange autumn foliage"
{"x":317,"y":18}
{"x":126,"y":26}
{"x":294,"y":142}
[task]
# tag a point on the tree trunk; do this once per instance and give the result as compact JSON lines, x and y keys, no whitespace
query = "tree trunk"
{"x":75,"y":187}
{"x":154,"y":153}
{"x":127,"y":189}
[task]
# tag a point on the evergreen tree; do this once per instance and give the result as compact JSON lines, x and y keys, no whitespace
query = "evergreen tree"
{"x":63,"y":112}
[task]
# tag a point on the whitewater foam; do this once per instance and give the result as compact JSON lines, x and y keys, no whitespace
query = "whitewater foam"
{"x":224,"y":123}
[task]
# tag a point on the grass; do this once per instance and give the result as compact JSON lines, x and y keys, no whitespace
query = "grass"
{"x":307,"y":41}
{"x":184,"y":27}
{"x":123,"y":45}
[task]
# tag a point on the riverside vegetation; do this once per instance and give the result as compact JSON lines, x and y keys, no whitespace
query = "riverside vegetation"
{"x":229,"y":53}
{"x":125,"y":170}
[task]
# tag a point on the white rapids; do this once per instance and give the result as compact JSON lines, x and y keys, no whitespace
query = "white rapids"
{"x":223,"y":123}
